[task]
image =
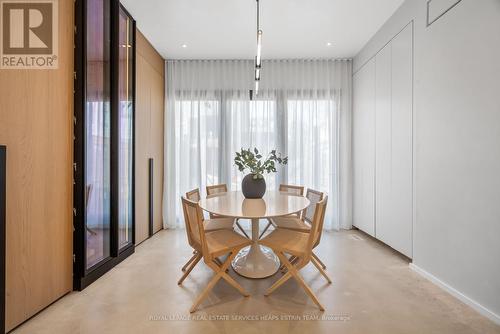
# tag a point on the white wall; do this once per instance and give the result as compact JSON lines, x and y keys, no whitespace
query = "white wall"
{"x":456,"y":232}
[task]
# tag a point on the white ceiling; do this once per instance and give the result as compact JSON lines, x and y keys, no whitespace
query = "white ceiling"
{"x":226,"y":29}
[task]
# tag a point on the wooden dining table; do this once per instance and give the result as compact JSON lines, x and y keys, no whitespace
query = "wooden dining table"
{"x":254,"y":261}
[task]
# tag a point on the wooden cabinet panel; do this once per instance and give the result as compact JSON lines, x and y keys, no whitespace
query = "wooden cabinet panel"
{"x":142,"y":144}
{"x":157,"y":111}
{"x":150,"y":99}
{"x":36,"y":113}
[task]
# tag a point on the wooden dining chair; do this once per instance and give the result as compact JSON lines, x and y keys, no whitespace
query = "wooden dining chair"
{"x":212,"y":245}
{"x":302,"y":223}
{"x":315,"y":259}
{"x":300,"y":245}
{"x":289,"y":189}
{"x":194,"y":195}
{"x":209,"y":225}
{"x":219,"y":189}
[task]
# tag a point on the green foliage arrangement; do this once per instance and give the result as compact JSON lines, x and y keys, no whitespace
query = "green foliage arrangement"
{"x":252,"y":160}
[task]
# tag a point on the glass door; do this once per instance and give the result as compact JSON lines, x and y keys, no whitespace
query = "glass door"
{"x":125,"y":129}
{"x":103,"y":196}
{"x":97,"y":134}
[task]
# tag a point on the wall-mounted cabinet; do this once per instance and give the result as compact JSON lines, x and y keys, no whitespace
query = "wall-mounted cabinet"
{"x":382,"y":144}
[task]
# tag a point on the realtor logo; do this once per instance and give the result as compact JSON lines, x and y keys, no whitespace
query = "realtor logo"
{"x":28,"y":34}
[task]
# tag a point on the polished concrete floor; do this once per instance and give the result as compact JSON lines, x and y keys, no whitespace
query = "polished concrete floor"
{"x":373,"y":291}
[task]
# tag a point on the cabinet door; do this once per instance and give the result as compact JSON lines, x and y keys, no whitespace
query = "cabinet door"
{"x":156,"y":142}
{"x":364,"y":148}
{"x":402,"y":152}
{"x":142,"y":152}
{"x":383,"y":142}
{"x":394,"y":154}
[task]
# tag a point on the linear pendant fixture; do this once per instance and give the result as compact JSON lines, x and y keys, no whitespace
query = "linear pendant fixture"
{"x":258,"y":57}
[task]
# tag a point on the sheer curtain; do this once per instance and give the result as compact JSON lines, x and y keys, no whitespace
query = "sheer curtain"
{"x":303,"y":110}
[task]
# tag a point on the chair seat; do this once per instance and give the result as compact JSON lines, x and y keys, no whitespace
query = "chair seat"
{"x":224,"y":241}
{"x":291,"y":223}
{"x":287,"y":241}
{"x":218,"y":224}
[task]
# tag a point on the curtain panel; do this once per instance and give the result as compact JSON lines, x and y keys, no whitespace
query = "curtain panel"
{"x":303,"y":110}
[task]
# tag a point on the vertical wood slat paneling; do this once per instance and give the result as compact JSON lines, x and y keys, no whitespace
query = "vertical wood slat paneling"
{"x":36,"y":113}
{"x":150,"y":96}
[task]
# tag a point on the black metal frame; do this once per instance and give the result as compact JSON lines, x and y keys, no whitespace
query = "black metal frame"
{"x":3,"y":222}
{"x":82,"y":277}
{"x":151,"y":198}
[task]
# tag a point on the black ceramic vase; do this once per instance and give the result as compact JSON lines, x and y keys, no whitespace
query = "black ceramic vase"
{"x":253,"y":188}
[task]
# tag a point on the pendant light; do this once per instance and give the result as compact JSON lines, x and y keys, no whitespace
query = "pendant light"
{"x":258,"y":57}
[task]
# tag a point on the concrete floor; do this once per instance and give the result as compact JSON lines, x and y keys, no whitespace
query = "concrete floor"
{"x":373,"y":291}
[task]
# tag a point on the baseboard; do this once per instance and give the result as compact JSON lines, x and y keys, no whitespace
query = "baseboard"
{"x":457,"y":294}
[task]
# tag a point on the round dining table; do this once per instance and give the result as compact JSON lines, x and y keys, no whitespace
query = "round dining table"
{"x":254,"y":261}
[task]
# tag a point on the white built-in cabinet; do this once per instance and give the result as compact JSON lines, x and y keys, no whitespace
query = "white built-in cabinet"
{"x":364,"y":148}
{"x":382,"y":144}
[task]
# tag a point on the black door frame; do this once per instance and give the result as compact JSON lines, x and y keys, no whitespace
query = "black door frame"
{"x":3,"y":222}
{"x":82,"y":277}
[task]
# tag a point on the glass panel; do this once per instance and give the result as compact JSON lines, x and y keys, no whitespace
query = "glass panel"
{"x":97,"y":134}
{"x":125,"y":150}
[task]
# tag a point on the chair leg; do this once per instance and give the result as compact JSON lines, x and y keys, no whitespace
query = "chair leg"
{"x":293,"y":271}
{"x":283,"y":267}
{"x":322,"y":272}
{"x":293,"y":260}
{"x":220,"y":272}
{"x":319,"y":261}
{"x":189,"y":262}
{"x":277,"y":284}
{"x":235,"y":284}
{"x":193,"y":264}
{"x":265,"y":230}
{"x":241,"y":229}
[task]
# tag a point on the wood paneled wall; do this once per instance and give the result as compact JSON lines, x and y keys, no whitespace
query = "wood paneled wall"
{"x":36,"y":124}
{"x":150,"y":99}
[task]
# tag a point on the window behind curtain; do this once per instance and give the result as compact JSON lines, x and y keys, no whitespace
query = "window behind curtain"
{"x":252,"y":124}
{"x":312,"y":127}
{"x":210,"y":131}
{"x":197,"y":142}
{"x":303,"y":110}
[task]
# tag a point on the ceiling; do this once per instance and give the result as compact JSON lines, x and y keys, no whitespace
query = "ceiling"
{"x":226,"y":29}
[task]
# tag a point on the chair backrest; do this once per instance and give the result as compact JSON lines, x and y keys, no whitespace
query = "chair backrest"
{"x":316,"y":226}
{"x":193,"y":195}
{"x":194,"y":223}
{"x":216,"y":189}
{"x":314,"y":197}
{"x":291,"y":189}
{"x":322,"y":223}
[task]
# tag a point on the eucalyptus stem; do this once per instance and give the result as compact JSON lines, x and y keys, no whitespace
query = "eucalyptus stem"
{"x":252,"y":160}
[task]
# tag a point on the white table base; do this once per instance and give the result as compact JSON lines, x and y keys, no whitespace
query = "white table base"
{"x":256,"y":261}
